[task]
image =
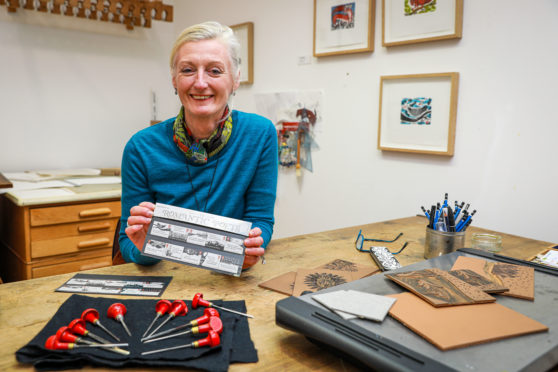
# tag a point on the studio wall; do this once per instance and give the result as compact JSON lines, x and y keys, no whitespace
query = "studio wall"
{"x":72,"y":99}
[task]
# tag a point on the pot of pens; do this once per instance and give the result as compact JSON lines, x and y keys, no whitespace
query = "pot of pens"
{"x":447,"y":225}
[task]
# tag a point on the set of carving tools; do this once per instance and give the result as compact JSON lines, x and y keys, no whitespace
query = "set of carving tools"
{"x":75,"y":334}
{"x":68,"y":337}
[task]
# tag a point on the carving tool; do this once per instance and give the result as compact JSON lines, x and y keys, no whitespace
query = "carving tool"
{"x":77,"y":326}
{"x":178,"y":308}
{"x":212,"y":340}
{"x":52,"y":343}
{"x":199,"y":301}
{"x":215,"y":324}
{"x":92,"y":316}
{"x":162,"y":307}
{"x":116,"y":311}
{"x":207,"y":313}
{"x":64,"y":334}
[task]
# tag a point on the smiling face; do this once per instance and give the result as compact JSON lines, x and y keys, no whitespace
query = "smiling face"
{"x":203,"y":78}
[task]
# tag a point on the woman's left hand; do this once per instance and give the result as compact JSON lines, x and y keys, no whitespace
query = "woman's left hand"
{"x":254,"y":248}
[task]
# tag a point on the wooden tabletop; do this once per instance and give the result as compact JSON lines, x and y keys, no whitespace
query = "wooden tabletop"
{"x":26,"y":306}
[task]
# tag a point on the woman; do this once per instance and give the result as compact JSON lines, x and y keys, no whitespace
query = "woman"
{"x":209,"y":158}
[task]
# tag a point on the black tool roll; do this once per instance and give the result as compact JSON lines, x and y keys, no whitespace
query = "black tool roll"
{"x":236,"y":344}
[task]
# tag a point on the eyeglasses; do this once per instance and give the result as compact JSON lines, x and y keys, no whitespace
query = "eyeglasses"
{"x":359,"y":242}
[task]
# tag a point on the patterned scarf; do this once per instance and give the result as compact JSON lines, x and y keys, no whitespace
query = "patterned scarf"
{"x":198,"y":151}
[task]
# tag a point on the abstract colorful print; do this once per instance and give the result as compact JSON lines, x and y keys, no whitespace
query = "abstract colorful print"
{"x":416,"y":111}
{"x":343,"y":16}
{"x":413,"y":7}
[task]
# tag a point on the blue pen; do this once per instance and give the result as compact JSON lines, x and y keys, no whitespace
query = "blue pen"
{"x":462,"y":219}
{"x":437,"y":215}
{"x":445,"y":201}
{"x":467,"y":225}
{"x":462,"y":223}
{"x":458,"y":209}
{"x":425,"y":212}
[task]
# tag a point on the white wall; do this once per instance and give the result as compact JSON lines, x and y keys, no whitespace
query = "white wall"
{"x":59,"y":85}
{"x":72,"y":98}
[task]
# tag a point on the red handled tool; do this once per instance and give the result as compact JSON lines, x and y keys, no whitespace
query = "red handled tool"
{"x":52,"y":343}
{"x":116,"y":311}
{"x":199,"y":301}
{"x":65,"y":335}
{"x":212,"y":340}
{"x":207,"y":313}
{"x":92,"y":316}
{"x":215,"y":324}
{"x":77,"y":326}
{"x":162,"y":307}
{"x":178,"y":308}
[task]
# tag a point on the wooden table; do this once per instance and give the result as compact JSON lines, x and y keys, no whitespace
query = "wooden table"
{"x":26,"y":306}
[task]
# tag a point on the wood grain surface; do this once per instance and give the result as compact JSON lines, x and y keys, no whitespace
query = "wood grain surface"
{"x":26,"y":306}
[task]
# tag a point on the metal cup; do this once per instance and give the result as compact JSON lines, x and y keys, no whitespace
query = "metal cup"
{"x":438,"y":243}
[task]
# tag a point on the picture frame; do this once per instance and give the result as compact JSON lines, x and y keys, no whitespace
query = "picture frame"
{"x":244,"y":32}
{"x":419,"y":21}
{"x":343,"y":27}
{"x":418,"y":113}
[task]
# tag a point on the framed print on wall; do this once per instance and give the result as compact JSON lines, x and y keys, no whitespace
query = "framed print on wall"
{"x":417,"y":21}
{"x":417,"y":113}
{"x":343,"y":27}
{"x":244,"y":32}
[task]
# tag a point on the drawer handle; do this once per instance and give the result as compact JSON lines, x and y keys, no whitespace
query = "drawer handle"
{"x":93,"y":243}
{"x":101,"y":226}
{"x":94,"y":266}
{"x":95,"y":212}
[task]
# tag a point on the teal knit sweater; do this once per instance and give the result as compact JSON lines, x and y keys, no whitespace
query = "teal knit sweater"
{"x":154,"y":170}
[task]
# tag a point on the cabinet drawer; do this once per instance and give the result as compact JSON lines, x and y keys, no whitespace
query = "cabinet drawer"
{"x":69,"y":267}
{"x":72,"y":244}
{"x":73,"y":229}
{"x":73,"y":213}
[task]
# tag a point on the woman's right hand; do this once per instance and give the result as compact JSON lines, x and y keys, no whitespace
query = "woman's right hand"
{"x":138,"y":223}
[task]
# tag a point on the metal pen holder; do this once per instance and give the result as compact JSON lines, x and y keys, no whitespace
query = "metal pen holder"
{"x":438,"y":243}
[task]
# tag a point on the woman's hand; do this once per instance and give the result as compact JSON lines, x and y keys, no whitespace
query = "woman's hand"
{"x":254,"y":248}
{"x":138,"y":223}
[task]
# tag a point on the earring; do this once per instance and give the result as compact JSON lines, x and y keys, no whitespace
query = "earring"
{"x":175,"y":91}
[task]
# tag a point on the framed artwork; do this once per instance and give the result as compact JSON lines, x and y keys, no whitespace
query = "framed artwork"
{"x":244,"y":32}
{"x":417,"y":113}
{"x":343,"y":27}
{"x":417,"y":21}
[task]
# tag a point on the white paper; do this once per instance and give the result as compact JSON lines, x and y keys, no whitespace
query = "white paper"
{"x":343,"y":315}
{"x":24,"y":185}
{"x":25,"y":176}
{"x":94,"y":180}
{"x":69,"y":172}
{"x":362,"y":304}
{"x":549,"y":258}
{"x":40,"y":193}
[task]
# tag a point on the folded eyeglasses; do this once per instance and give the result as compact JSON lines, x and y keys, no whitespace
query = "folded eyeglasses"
{"x":359,"y":242}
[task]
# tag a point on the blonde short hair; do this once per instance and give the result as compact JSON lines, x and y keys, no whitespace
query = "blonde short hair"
{"x":209,"y":31}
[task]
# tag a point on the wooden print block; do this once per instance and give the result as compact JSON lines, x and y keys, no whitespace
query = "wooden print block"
{"x":283,"y":283}
{"x":439,"y":288}
{"x":520,"y":280}
{"x":358,"y":271}
{"x":476,"y":280}
{"x":313,"y":280}
{"x":459,"y":326}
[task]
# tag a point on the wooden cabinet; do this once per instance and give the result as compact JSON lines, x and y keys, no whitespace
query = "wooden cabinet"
{"x":50,"y":239}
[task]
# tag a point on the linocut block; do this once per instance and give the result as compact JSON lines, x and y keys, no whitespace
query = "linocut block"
{"x":459,"y":326}
{"x":439,"y":288}
{"x":477,"y":280}
{"x":284,"y":283}
{"x":519,"y":279}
